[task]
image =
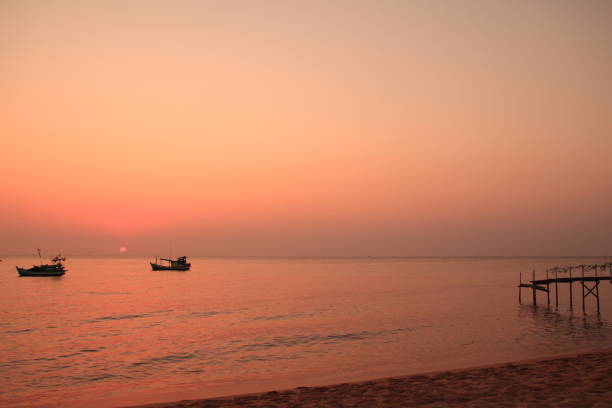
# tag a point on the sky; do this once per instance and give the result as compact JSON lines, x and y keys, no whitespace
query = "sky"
{"x":306,"y":128}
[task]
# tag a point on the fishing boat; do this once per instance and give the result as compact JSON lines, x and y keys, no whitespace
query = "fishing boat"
{"x":178,"y":264}
{"x":54,"y":269}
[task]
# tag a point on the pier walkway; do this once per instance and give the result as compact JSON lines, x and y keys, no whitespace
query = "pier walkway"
{"x":544,"y":284}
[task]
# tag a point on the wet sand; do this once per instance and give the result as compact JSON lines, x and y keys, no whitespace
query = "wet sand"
{"x":582,"y":380}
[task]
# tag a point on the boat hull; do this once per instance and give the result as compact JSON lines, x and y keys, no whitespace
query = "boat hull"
{"x":43,"y":270}
{"x":158,"y":267}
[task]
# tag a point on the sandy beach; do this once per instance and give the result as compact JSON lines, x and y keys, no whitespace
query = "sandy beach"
{"x":582,"y":380}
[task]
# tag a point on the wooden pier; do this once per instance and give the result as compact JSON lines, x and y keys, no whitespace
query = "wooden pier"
{"x":589,"y":284}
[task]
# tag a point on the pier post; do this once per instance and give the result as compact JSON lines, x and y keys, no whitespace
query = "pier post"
{"x":533,"y":288}
{"x":520,"y":287}
{"x":582,"y":272}
{"x":556,"y":291}
{"x":547,"y":289}
{"x":570,"y":288}
{"x":597,"y":289}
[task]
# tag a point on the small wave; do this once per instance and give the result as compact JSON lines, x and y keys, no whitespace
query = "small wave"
{"x":314,"y":339}
{"x":127,"y":316}
{"x":204,"y":314}
{"x":20,"y":331}
{"x":266,"y":357}
{"x":92,"y":378}
{"x":119,"y":317}
{"x":91,"y":350}
{"x":13,"y":363}
{"x":69,"y":355}
{"x":44,"y":359}
{"x":168,"y":359}
{"x":333,"y":338}
{"x":296,"y":315}
{"x":301,"y":340}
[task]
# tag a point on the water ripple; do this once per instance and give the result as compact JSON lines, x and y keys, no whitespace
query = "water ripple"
{"x":295,"y":315}
{"x":168,"y":359}
{"x":309,"y":340}
{"x":119,"y":317}
{"x":91,"y":378}
{"x":266,"y":357}
{"x":20,"y":331}
{"x":210,"y":313}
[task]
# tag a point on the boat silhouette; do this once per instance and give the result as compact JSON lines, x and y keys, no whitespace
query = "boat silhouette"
{"x":54,"y":269}
{"x":178,"y":264}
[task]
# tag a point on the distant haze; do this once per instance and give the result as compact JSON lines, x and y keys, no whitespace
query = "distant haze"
{"x":375,"y":127}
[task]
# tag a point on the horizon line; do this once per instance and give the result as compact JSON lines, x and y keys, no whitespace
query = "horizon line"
{"x":126,"y":255}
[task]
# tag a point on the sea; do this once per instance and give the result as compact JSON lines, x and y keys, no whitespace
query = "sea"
{"x":112,"y":332}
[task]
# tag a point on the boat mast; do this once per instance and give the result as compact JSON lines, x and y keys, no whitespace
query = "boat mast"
{"x":39,"y":255}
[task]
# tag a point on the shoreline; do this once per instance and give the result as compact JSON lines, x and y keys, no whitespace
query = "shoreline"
{"x":567,"y":380}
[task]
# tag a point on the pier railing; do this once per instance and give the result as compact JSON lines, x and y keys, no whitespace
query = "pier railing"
{"x":600,"y":272}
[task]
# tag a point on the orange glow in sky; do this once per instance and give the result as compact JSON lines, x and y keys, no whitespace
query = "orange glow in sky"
{"x":306,"y":128}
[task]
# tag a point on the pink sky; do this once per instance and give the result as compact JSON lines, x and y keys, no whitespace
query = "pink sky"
{"x":306,"y":128}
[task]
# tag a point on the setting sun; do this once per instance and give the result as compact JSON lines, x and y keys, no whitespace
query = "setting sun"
{"x":123,"y":249}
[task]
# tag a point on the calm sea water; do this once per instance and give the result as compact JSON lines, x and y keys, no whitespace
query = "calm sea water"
{"x":112,"y":332}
